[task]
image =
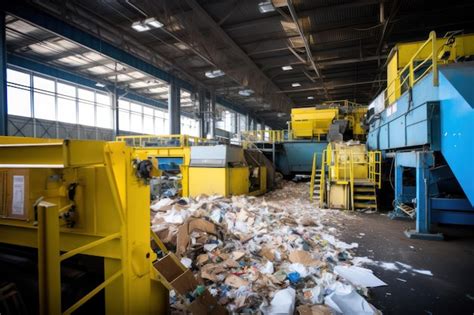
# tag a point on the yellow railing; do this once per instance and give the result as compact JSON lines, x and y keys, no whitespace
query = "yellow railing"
{"x":407,"y":78}
{"x":375,"y":168}
{"x":313,"y":176}
{"x":267,"y":136}
{"x":322,"y":183}
{"x":348,"y":169}
{"x":342,"y":103}
{"x":177,"y":141}
{"x":50,"y":257}
{"x":342,"y":169}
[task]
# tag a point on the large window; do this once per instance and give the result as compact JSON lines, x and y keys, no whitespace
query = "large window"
{"x":86,"y":107}
{"x":161,"y":122}
{"x":227,"y":121}
{"x":44,"y":99}
{"x":104,"y":112}
{"x":19,"y":93}
{"x":189,"y":126}
{"x":242,"y":122}
{"x":67,"y":103}
{"x":141,"y":118}
{"x":38,"y":96}
{"x":32,"y":95}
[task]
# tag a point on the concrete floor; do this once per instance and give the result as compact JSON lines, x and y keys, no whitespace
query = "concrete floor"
{"x":451,"y":288}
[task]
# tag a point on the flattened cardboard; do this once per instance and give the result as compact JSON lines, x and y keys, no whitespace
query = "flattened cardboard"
{"x":168,"y":267}
{"x":235,"y":281}
{"x":184,"y":283}
{"x":303,"y":257}
{"x":190,"y":225}
{"x":314,"y":310}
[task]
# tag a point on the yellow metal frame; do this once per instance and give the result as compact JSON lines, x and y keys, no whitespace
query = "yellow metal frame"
{"x":313,"y":176}
{"x":357,"y":166}
{"x":181,"y":141}
{"x":407,"y":58}
{"x":310,"y":123}
{"x":178,"y":146}
{"x":112,"y":207}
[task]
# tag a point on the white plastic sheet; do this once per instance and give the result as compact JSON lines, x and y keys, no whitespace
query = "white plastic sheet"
{"x":359,"y":276}
{"x":348,"y":302}
{"x":283,"y":303}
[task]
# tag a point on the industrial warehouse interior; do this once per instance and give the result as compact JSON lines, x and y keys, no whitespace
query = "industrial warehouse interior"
{"x":272,"y":157}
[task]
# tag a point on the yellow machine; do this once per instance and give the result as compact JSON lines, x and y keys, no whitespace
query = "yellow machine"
{"x":316,"y":122}
{"x":80,"y":197}
{"x":310,"y":122}
{"x":85,"y":204}
{"x":202,"y":166}
{"x":348,"y":177}
{"x":168,"y":154}
{"x":225,"y":170}
{"x":408,"y":62}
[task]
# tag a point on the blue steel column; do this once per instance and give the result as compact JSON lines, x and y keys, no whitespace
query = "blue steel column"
{"x":236,"y":123}
{"x":212,"y":116}
{"x":174,"y":108}
{"x":424,"y":160}
{"x":115,"y":102}
{"x":3,"y":79}
{"x":203,"y":114}
{"x":398,"y":181}
{"x":422,"y":193}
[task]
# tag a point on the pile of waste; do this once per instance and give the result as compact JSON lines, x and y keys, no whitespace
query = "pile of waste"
{"x":275,"y":254}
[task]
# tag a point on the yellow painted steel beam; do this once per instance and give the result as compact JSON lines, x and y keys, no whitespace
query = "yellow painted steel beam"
{"x":82,"y":249}
{"x":27,"y":236}
{"x":92,"y":293}
{"x":49,"y":267}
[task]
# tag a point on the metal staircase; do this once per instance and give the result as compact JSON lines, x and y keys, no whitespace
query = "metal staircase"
{"x":364,"y":196}
{"x":316,"y":182}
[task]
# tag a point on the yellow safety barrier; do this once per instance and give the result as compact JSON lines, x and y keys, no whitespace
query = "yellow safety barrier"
{"x":322,"y":187}
{"x":410,"y":62}
{"x":266,"y":136}
{"x":179,"y":141}
{"x":406,"y":77}
{"x":313,"y":175}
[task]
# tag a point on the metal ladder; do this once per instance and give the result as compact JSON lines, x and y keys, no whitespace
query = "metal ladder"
{"x":315,"y":182}
{"x":364,"y":196}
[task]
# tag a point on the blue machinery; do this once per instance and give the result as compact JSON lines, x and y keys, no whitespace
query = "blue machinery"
{"x":428,"y":132}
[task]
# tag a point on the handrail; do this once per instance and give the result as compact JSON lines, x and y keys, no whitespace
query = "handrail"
{"x":351,"y":180}
{"x":162,"y":140}
{"x":398,"y":83}
{"x":322,"y":180}
{"x":313,"y":176}
{"x":266,"y":136}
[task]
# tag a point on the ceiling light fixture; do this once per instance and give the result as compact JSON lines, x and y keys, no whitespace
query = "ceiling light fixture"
{"x":153,"y":22}
{"x":295,"y":84}
{"x":100,"y":85}
{"x":246,"y":92}
{"x":214,"y":74}
{"x":311,"y":97}
{"x":287,"y":68}
{"x":265,"y":7}
{"x":139,"y":26}
{"x":146,"y":25}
